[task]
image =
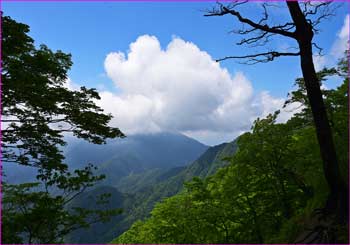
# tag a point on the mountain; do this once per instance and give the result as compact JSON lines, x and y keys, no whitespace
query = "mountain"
{"x":120,"y":158}
{"x":99,"y":232}
{"x":135,"y":183}
{"x":149,"y":187}
{"x":17,"y":174}
{"x":140,"y":170}
{"x":206,"y":165}
{"x":136,"y":154}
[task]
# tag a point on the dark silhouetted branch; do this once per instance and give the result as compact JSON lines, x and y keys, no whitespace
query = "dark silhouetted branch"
{"x":224,"y":10}
{"x":266,"y":57}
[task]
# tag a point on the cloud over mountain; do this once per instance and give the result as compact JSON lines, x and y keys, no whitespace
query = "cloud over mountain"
{"x":180,"y":88}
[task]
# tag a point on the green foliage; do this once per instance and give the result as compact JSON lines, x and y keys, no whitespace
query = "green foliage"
{"x":266,"y":192}
{"x":162,"y":184}
{"x":43,"y":217}
{"x":37,"y":107}
{"x":37,"y":110}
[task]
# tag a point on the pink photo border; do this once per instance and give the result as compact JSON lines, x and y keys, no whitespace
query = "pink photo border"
{"x":150,"y":1}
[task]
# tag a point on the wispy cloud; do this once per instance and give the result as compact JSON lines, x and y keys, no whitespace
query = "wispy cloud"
{"x":342,"y":42}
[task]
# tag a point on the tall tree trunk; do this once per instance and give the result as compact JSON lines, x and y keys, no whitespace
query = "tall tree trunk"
{"x":338,"y":199}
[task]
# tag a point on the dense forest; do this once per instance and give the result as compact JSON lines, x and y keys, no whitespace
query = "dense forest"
{"x":279,"y":182}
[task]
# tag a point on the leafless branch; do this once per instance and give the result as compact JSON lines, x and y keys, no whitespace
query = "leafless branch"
{"x":314,"y":7}
{"x":316,"y":12}
{"x":259,"y":32}
{"x":318,"y":48}
{"x":260,"y":57}
{"x":224,"y":10}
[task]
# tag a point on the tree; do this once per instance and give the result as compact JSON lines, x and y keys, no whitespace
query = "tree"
{"x":268,"y":190}
{"x":37,"y":111}
{"x":301,"y":28}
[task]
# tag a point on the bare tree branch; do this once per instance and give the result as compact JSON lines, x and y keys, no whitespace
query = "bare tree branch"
{"x":318,"y":48}
{"x":314,"y":7}
{"x":315,"y":12}
{"x":267,"y":56}
{"x":259,"y":32}
{"x":224,"y":10}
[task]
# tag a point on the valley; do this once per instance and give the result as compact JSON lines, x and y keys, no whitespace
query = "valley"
{"x":140,"y":171}
{"x":138,"y":192}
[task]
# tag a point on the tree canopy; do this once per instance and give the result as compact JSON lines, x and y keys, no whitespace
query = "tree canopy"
{"x":37,"y":111}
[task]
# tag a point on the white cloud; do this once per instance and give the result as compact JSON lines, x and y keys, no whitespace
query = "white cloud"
{"x":319,"y":62}
{"x":287,"y":112}
{"x":270,"y":104}
{"x":69,"y":84}
{"x":341,"y":43}
{"x":180,"y":88}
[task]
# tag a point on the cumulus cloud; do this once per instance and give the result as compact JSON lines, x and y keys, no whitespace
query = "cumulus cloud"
{"x":269,"y":104}
{"x":180,"y":88}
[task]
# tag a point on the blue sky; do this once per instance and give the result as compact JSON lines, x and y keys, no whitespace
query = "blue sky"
{"x":92,"y":30}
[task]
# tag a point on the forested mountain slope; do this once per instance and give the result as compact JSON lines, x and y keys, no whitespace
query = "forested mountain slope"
{"x":204,"y":166}
{"x":143,"y":190}
{"x":122,"y":157}
{"x":273,"y":189}
{"x":136,"y":154}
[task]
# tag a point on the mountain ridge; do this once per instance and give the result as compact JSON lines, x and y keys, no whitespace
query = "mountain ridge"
{"x":150,"y":187}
